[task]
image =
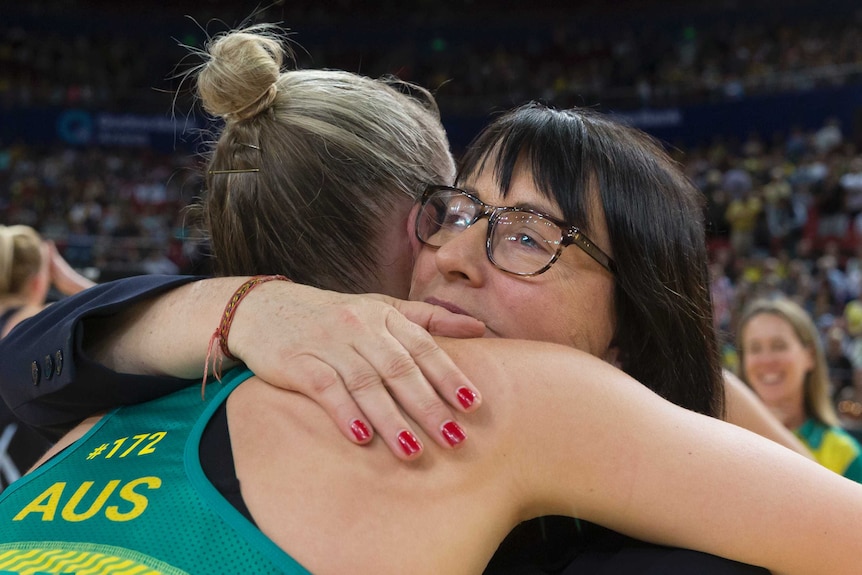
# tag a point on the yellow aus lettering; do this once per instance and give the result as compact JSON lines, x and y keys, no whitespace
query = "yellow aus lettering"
{"x":51,"y":499}
{"x":46,"y":503}
{"x":138,"y":501}
{"x":69,"y":513}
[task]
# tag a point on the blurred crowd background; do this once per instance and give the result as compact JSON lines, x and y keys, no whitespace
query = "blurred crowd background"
{"x":761,"y":104}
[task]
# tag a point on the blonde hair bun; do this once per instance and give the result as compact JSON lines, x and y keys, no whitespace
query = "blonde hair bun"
{"x":238,"y":80}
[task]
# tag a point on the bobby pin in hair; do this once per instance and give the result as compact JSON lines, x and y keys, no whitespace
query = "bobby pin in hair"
{"x":245,"y":171}
{"x":252,"y":146}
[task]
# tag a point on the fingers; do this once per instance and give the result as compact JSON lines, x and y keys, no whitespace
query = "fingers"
{"x":372,"y":369}
{"x":325,"y":386}
{"x":341,"y":397}
{"x":437,"y":320}
{"x":444,"y":323}
{"x":368,"y":388}
{"x":422,"y":378}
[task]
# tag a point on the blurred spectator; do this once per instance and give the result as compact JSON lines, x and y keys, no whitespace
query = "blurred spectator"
{"x":28,"y":268}
{"x":840,"y":366}
{"x":828,"y":137}
{"x":157,"y":262}
{"x":829,"y":202}
{"x":782,"y":359}
{"x":850,"y":397}
{"x":742,"y":215}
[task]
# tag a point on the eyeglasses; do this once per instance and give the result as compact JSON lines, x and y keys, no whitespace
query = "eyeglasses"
{"x":520,"y":241}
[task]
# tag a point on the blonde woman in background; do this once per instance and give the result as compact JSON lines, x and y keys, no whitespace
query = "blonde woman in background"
{"x":29,"y":266}
{"x":782,"y":360}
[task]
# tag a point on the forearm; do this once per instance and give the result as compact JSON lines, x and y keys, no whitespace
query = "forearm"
{"x":63,"y":276}
{"x":610,"y":451}
{"x":47,"y":378}
{"x":67,"y":280}
{"x":167,"y":335}
{"x":740,"y":496}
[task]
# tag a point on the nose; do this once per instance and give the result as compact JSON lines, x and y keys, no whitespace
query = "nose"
{"x":464,"y":257}
{"x":760,"y":358}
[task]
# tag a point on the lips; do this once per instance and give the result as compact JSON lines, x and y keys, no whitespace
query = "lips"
{"x":447,"y":305}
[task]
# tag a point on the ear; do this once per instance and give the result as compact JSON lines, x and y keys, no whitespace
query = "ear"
{"x":415,"y":244}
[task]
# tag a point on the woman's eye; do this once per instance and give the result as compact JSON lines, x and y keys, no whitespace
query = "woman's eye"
{"x":529,"y":240}
{"x":456,"y":218}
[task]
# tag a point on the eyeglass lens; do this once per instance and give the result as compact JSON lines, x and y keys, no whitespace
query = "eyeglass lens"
{"x":519,"y":242}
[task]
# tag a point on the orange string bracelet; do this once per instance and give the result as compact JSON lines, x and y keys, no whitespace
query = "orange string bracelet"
{"x":219,"y":336}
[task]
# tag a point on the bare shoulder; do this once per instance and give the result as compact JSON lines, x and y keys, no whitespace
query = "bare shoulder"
{"x":547,"y":370}
{"x":554,"y":407}
{"x":513,"y":355}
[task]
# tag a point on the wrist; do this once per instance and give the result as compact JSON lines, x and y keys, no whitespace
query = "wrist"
{"x":219,"y":349}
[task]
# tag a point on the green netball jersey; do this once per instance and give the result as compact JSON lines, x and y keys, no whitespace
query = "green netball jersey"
{"x":130,"y":497}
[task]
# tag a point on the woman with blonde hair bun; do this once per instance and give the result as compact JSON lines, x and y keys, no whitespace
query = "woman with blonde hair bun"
{"x":337,"y":147}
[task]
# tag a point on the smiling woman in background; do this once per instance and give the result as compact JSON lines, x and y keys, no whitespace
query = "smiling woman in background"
{"x":782,"y":359}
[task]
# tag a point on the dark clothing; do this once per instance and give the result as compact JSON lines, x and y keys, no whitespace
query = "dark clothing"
{"x":644,"y":559}
{"x":48,"y":381}
{"x":216,"y":456}
{"x":566,"y":546}
{"x":20,"y":446}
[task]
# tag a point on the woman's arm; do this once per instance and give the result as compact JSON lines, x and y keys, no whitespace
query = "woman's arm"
{"x":63,"y":276}
{"x":297,"y":334}
{"x":295,"y":337}
{"x":48,"y":380}
{"x":598,"y":445}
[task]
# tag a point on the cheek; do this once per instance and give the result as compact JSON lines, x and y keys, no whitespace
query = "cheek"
{"x":593,"y":314}
{"x":756,"y":359}
{"x":748,"y":365}
{"x":423,"y":270}
{"x":580,"y":315}
{"x":596,"y":327}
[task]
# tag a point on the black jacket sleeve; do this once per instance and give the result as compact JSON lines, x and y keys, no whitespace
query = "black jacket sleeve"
{"x":45,"y":377}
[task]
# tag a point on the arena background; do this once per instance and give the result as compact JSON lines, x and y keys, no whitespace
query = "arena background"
{"x":757,"y":99}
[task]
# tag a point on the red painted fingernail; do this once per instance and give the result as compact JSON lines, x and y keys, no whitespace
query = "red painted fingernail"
{"x":452,"y":433}
{"x":409,"y":444}
{"x":360,"y":431}
{"x":466,"y":396}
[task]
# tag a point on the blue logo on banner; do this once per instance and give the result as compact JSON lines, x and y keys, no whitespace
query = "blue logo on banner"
{"x":75,"y":127}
